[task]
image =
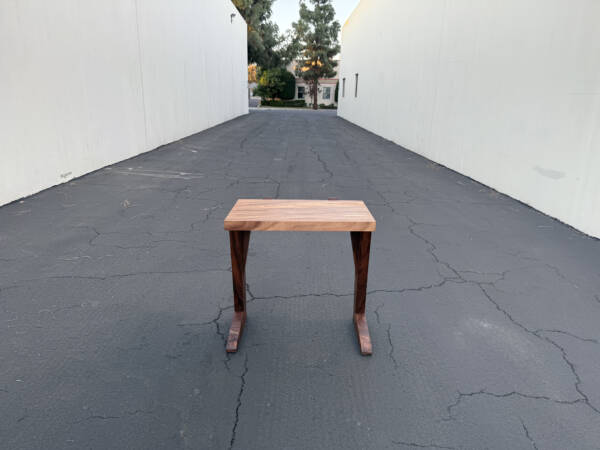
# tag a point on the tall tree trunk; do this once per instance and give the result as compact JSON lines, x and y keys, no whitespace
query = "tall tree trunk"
{"x":315,"y":93}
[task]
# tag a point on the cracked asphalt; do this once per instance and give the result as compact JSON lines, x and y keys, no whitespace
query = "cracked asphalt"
{"x":116,"y":297}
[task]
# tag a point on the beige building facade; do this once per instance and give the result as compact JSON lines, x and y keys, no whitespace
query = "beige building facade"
{"x":326,"y":90}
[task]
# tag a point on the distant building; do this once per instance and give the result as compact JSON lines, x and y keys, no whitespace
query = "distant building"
{"x":326,"y":91}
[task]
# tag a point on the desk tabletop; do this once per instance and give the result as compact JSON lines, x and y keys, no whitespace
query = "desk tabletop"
{"x":299,"y":215}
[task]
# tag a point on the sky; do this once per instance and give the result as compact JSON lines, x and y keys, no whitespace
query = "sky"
{"x":286,"y":11}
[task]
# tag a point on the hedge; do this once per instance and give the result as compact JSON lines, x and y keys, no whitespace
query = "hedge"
{"x":284,"y":103}
{"x":289,"y":89}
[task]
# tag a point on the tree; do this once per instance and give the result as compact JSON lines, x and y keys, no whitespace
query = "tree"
{"x":289,"y":88}
{"x":337,"y":90}
{"x":252,"y":73}
{"x":269,"y":84}
{"x":263,"y":34}
{"x":276,"y":83}
{"x":316,"y":32}
{"x":289,"y":48}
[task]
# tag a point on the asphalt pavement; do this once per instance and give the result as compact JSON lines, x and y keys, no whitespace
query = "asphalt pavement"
{"x":116,"y":297}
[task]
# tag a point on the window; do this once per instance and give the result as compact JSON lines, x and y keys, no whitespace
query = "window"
{"x":356,"y":85}
{"x":326,"y":93}
{"x":343,"y":87}
{"x":300,"y":92}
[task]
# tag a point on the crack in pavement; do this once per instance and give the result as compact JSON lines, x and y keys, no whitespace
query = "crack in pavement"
{"x":560,"y":274}
{"x":110,"y":417}
{"x":416,"y":445}
{"x":482,"y":392}
{"x":341,"y":295}
{"x":391,"y":352}
{"x":389,"y":336}
{"x":97,"y":234}
{"x":289,"y":297}
{"x":538,"y":334}
{"x":116,"y":275}
{"x":501,"y":275}
{"x":420,"y":288}
{"x":572,"y":366}
{"x":239,"y":403}
{"x":431,"y":249}
{"x":386,"y":202}
{"x":566,"y":333}
{"x":323,"y":163}
{"x":533,"y":444}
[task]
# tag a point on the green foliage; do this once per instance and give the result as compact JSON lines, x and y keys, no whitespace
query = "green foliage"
{"x":270,"y":84}
{"x":276,"y":83}
{"x":263,"y":34}
{"x":284,"y":103}
{"x":324,"y":106}
{"x":289,"y":89}
{"x":316,"y":34}
{"x":337,"y":90}
{"x":289,"y":47}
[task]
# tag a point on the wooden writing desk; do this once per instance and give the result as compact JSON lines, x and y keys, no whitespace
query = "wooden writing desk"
{"x":299,"y":215}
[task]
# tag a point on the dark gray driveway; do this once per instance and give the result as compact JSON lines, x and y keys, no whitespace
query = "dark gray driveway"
{"x":115,"y":296}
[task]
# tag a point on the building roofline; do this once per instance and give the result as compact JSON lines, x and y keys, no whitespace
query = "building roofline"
{"x":350,"y":17}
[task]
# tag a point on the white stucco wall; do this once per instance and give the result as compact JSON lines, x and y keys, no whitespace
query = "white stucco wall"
{"x":504,"y":91}
{"x":86,"y":83}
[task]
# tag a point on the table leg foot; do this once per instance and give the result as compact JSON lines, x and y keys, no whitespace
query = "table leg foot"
{"x":235,"y":332}
{"x":362,"y":332}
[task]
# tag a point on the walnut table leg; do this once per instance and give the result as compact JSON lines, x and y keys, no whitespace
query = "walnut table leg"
{"x":361,"y":245}
{"x":238,"y":241}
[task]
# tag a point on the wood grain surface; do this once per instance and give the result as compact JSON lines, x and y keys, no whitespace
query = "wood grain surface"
{"x":361,"y":247}
{"x":299,"y":215}
{"x":238,"y":242}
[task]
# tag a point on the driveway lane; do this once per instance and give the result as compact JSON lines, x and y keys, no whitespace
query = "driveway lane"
{"x":115,"y":299}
